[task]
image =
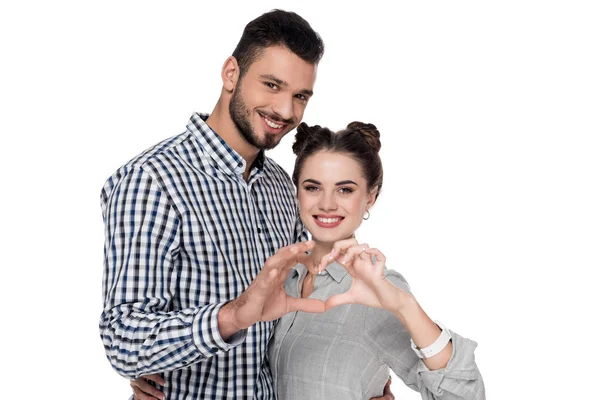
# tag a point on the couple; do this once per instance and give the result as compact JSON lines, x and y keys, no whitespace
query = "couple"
{"x":205,"y":250}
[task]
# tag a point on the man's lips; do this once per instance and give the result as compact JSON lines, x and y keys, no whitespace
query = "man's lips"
{"x":274,"y":125}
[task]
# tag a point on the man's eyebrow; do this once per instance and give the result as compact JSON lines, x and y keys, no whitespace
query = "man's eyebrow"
{"x":275,"y":79}
{"x":281,"y":82}
{"x":307,"y":92}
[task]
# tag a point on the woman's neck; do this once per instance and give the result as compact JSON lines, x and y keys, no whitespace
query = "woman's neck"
{"x":321,"y":249}
{"x":308,"y":283}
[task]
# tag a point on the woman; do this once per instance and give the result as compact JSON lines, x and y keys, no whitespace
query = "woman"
{"x":346,"y":352}
{"x":372,"y":323}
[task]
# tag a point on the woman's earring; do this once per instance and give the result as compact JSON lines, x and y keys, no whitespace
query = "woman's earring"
{"x":368,"y":215}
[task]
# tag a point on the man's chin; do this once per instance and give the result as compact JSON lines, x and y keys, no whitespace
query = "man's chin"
{"x":270,"y":141}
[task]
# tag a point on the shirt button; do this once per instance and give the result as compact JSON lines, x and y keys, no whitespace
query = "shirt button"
{"x":259,"y":230}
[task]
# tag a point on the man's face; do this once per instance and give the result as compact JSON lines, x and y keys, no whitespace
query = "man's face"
{"x":269,"y":100}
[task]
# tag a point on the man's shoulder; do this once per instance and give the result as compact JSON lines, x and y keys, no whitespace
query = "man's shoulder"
{"x":272,"y":168}
{"x":160,"y":149}
{"x":153,"y":156}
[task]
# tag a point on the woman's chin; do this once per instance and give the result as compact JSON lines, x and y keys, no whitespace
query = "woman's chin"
{"x":328,"y":239}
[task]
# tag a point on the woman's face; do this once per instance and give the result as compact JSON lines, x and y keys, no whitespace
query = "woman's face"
{"x":333,"y":196}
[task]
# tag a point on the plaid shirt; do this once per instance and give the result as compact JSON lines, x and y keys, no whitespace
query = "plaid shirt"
{"x":184,"y":234}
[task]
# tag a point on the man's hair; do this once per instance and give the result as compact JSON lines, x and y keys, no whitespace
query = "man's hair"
{"x":278,"y":27}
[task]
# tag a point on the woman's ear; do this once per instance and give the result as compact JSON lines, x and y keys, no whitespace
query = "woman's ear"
{"x":372,"y":198}
{"x":230,"y":73}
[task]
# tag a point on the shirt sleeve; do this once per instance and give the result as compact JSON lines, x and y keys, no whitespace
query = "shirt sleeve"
{"x":300,"y":234}
{"x":390,"y":340}
{"x":141,"y":332}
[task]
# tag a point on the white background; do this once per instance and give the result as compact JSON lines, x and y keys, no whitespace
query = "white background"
{"x":489,"y":115}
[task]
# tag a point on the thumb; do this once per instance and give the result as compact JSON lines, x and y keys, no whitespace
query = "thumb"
{"x":306,"y":305}
{"x":338,"y":300}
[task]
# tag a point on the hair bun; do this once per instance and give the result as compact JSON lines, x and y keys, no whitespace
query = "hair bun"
{"x":369,"y":132}
{"x":303,"y":134}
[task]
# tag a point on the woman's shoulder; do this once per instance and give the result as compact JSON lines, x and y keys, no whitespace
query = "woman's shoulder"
{"x":397,"y":279}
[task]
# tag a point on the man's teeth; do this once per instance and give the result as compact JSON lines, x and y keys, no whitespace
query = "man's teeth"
{"x":328,"y":220}
{"x":273,"y":124}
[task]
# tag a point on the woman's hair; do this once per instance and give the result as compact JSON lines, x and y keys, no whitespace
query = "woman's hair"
{"x":278,"y":27}
{"x":359,"y":141}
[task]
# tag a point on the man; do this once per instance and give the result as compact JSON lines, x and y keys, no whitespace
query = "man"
{"x":191,"y":285}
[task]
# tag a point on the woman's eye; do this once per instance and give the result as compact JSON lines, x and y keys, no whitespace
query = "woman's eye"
{"x":346,"y":190}
{"x":311,"y":188}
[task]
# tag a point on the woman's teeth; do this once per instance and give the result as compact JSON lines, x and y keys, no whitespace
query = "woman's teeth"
{"x":328,"y":220}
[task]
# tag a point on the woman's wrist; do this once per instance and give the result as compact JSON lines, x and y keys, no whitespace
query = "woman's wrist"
{"x":398,"y":301}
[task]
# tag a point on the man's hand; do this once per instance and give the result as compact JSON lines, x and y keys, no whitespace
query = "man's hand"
{"x":265,"y":299}
{"x":387,"y":392}
{"x":142,"y":390}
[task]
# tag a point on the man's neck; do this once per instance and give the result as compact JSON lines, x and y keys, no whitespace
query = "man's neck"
{"x":220,"y":122}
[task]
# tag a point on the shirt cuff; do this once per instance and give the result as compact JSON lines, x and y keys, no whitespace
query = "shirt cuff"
{"x":461,"y":368}
{"x":207,"y":337}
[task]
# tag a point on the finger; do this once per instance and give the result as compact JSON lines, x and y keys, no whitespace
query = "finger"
{"x":345,"y":244}
{"x":342,"y":246}
{"x":303,"y":247}
{"x":146,"y":388}
{"x":339,"y":247}
{"x":138,"y":394}
{"x":338,"y":300}
{"x":306,"y":305}
{"x":386,"y":388}
{"x":307,"y":260}
{"x":387,"y":392}
{"x":295,"y":251}
{"x":354,"y":252}
{"x":379,"y":257}
{"x":294,"y":248}
{"x":155,"y":378}
{"x":325,"y":261}
{"x":286,"y":257}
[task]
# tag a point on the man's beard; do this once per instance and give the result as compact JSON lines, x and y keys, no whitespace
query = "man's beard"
{"x":240,"y":115}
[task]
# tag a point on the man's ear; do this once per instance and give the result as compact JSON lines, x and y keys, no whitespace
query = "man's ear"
{"x":230,"y":73}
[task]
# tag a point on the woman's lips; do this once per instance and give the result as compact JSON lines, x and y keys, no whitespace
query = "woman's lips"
{"x":328,"y":221}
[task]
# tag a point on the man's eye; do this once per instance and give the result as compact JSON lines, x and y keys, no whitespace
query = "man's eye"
{"x":271,"y":85}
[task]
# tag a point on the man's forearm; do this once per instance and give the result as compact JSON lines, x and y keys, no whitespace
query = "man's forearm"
{"x":228,"y":323}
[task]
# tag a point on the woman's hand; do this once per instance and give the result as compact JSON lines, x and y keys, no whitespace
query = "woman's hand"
{"x":369,"y":284}
{"x":339,"y":248}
